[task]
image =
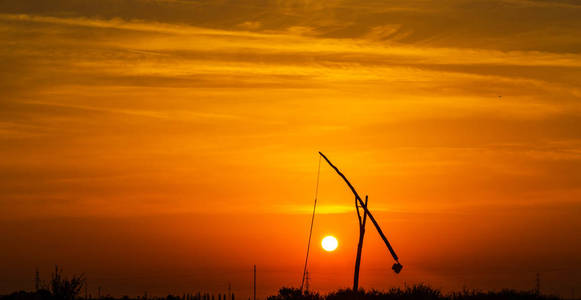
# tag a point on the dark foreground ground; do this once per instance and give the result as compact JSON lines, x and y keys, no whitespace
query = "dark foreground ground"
{"x":419,"y":292}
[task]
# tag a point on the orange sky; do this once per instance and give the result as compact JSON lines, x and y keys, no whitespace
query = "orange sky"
{"x":166,"y":146}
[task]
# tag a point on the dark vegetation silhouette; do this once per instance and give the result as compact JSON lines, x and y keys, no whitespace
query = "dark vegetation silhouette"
{"x":288,"y":293}
{"x":414,"y":292}
{"x":63,"y":288}
{"x":58,"y":288}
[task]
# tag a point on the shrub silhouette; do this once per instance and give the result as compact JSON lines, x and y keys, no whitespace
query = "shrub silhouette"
{"x":63,"y":288}
{"x":414,"y":292}
{"x":289,"y":293}
{"x":501,"y":295}
{"x":419,"y":291}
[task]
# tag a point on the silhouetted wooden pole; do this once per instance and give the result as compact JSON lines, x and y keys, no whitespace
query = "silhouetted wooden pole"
{"x":359,"y":245}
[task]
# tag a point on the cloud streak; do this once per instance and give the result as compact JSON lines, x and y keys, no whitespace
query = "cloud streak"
{"x":83,"y":81}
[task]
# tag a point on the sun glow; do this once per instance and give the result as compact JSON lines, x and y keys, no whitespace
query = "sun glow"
{"x":329,"y":243}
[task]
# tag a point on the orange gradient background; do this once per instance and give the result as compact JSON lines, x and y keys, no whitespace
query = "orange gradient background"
{"x":167,"y":146}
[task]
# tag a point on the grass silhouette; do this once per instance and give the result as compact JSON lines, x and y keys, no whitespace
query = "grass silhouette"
{"x":414,"y":292}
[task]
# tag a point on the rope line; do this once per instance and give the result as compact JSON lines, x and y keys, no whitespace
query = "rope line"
{"x":312,"y":222}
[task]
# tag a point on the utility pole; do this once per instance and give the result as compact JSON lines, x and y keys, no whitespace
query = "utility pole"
{"x":36,"y":280}
{"x":538,"y":284}
{"x":254,"y":298}
{"x":229,"y":291}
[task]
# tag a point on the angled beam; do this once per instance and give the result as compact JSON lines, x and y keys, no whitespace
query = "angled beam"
{"x":368,"y":214}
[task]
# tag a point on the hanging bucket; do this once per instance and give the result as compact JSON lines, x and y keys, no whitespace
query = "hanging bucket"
{"x":397,"y":267}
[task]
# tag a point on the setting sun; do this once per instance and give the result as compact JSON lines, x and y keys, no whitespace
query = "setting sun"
{"x":329,"y":243}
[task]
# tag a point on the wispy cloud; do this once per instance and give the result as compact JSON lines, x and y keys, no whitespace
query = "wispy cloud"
{"x":145,"y":111}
